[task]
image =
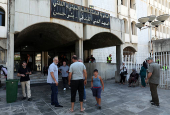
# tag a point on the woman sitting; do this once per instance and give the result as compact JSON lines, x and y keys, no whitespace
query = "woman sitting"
{"x":133,"y":77}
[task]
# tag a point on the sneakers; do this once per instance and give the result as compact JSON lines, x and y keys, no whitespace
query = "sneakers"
{"x":84,"y":100}
{"x":151,"y":101}
{"x":64,"y":89}
{"x":29,"y":99}
{"x":24,"y":98}
{"x":155,"y":104}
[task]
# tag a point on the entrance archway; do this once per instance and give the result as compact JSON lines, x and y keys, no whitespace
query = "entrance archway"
{"x":101,"y":40}
{"x":44,"y":40}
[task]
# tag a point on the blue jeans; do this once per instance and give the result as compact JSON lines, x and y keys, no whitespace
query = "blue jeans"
{"x":54,"y":94}
{"x":84,"y":96}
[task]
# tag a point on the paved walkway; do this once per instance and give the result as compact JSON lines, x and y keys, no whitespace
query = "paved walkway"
{"x":116,"y":100}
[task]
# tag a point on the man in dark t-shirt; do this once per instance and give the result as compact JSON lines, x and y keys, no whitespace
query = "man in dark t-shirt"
{"x":24,"y":73}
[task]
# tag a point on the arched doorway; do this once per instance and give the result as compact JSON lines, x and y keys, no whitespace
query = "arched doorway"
{"x":43,"y":41}
{"x":128,"y":54}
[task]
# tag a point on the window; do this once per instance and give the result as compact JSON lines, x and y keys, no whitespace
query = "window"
{"x":124,"y":2}
{"x":2,"y":17}
{"x":125,"y":25}
{"x":2,"y":55}
{"x":134,"y":29}
{"x":132,"y":4}
{"x":156,"y":12}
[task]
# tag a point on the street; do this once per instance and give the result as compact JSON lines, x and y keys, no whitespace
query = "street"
{"x":116,"y":100}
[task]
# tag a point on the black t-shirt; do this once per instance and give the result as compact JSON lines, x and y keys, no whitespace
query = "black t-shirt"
{"x":24,"y":71}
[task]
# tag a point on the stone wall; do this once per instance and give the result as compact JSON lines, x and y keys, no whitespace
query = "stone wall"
{"x":106,"y":71}
{"x":162,"y":45}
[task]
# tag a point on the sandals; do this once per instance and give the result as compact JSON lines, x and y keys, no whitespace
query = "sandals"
{"x":71,"y":110}
{"x":97,"y":104}
{"x":83,"y":110}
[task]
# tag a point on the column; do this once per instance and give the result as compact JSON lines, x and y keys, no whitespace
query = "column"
{"x":10,"y":39}
{"x":119,"y":52}
{"x":43,"y":59}
{"x":10,"y":55}
{"x":79,"y":49}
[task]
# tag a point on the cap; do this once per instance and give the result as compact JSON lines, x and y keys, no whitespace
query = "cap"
{"x":149,"y":58}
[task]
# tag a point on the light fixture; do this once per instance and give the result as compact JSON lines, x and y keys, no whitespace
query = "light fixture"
{"x":25,"y":46}
{"x":151,"y":18}
{"x":156,"y":23}
{"x":143,"y":20}
{"x":162,"y":18}
{"x":139,"y":25}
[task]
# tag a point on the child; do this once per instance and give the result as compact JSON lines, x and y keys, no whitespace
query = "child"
{"x":96,"y":87}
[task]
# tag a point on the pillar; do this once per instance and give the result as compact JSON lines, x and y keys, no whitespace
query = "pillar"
{"x":43,"y":56}
{"x":10,"y":38}
{"x":46,"y":58}
{"x":79,"y":48}
{"x":10,"y":55}
{"x":119,"y":53}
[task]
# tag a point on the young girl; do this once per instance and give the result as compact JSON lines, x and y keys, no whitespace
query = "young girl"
{"x":96,"y":87}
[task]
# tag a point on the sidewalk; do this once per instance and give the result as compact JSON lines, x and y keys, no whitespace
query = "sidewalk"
{"x":116,"y":100}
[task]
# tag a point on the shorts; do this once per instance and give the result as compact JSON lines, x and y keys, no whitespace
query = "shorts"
{"x":96,"y":92}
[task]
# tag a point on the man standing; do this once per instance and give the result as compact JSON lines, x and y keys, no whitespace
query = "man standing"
{"x":29,"y":61}
{"x":77,"y":69}
{"x":45,"y":70}
{"x":24,"y":73}
{"x":153,"y":77}
{"x":64,"y":71}
{"x":52,"y":79}
{"x":93,"y":60}
{"x":109,"y":58}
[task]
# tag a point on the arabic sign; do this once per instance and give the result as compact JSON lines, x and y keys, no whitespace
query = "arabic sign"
{"x":68,"y":11}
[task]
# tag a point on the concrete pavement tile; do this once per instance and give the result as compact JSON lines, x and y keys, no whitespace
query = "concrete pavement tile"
{"x":5,"y":113}
{"x":32,"y":110}
{"x":145,"y":113}
{"x":49,"y":113}
{"x":154,"y":110}
{"x":108,"y":112}
{"x":125,"y":112}
{"x":20,"y":113}
{"x":44,"y":108}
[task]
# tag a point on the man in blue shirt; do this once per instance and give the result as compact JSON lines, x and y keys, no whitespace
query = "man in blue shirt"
{"x":52,"y":79}
{"x":64,"y":71}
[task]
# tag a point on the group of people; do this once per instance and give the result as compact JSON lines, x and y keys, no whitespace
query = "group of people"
{"x":134,"y":75}
{"x":149,"y":69}
{"x":77,"y":79}
{"x":90,"y":59}
{"x":75,"y":76}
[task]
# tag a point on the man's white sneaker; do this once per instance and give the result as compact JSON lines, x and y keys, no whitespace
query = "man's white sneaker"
{"x":64,"y":89}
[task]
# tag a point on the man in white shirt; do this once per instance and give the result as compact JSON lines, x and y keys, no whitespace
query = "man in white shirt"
{"x":52,"y":79}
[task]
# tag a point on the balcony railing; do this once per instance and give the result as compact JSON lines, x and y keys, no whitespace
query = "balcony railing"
{"x":127,"y":39}
{"x":134,"y":39}
{"x":133,"y":13}
{"x":123,"y":10}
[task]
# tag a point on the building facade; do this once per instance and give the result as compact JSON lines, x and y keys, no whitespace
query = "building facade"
{"x":3,"y":32}
{"x":44,"y":29}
